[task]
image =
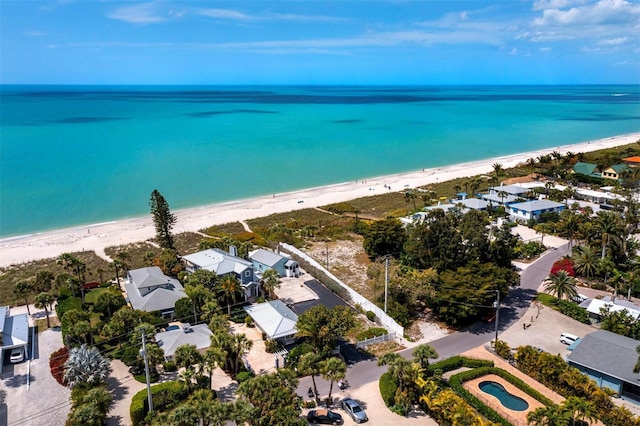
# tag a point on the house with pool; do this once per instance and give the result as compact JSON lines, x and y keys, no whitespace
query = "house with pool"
{"x":608,"y":358}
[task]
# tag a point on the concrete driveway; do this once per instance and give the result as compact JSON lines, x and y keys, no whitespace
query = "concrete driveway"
{"x":45,"y":402}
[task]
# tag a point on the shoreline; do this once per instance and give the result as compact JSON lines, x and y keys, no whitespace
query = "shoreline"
{"x":95,"y":237}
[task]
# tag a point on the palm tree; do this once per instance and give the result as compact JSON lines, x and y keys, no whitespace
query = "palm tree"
{"x":270,"y":281}
{"x":239,"y":345}
{"x":43,"y":281}
{"x":552,"y":415}
{"x":580,"y":410}
{"x":531,"y":162}
{"x":561,"y":284}
{"x":210,"y":360}
{"x":184,"y":415}
{"x":24,"y":289}
{"x":99,"y":397}
{"x":502,"y":195}
{"x":608,"y":228}
{"x":332,"y":369}
{"x":410,"y":196}
{"x":398,"y":368}
{"x":230,"y":289}
{"x":87,"y":415}
{"x":585,"y":261}
{"x":569,"y":226}
{"x":44,"y":301}
{"x":86,"y":365}
{"x":498,"y":170}
{"x":187,"y":356}
{"x":423,"y":353}
{"x":309,"y":363}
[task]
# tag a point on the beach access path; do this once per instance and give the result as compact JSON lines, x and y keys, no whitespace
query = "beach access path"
{"x":96,"y":237}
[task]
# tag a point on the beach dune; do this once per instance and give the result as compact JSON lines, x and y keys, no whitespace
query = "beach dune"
{"x":96,"y":237}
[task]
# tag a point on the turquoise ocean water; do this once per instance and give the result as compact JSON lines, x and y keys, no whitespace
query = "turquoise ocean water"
{"x":72,"y":155}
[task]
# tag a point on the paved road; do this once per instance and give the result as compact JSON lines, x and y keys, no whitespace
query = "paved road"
{"x":513,"y":307}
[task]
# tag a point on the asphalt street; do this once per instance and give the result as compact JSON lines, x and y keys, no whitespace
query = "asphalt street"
{"x":512,"y":309}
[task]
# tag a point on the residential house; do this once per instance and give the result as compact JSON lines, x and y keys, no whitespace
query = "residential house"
{"x":501,"y":200}
{"x":474,"y":204}
{"x":632,"y":161}
{"x":614,"y":172}
{"x":148,"y":289}
{"x":608,"y":359}
{"x":14,"y":332}
{"x":518,"y":191}
{"x":275,"y":320}
{"x":595,"y":306}
{"x":223,"y":263}
{"x":184,"y":334}
{"x":586,"y":169}
{"x":533,"y":209}
{"x":265,"y":259}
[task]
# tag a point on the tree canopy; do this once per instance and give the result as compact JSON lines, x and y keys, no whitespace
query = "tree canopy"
{"x":163,"y":219}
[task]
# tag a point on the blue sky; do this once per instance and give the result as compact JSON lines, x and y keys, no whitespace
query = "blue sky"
{"x":320,"y":42}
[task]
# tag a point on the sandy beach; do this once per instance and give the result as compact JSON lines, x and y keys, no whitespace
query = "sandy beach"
{"x":96,"y":237}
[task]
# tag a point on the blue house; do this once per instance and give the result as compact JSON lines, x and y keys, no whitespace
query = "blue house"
{"x":533,"y":209}
{"x":608,"y":359}
{"x":264,"y":259}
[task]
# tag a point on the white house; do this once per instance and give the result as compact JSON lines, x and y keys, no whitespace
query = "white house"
{"x":14,"y":332}
{"x":533,"y":209}
{"x":223,"y":263}
{"x":595,"y":305}
{"x":275,"y":320}
{"x":148,"y":289}
{"x":518,"y":191}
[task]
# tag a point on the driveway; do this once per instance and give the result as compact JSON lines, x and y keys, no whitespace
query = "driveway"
{"x":45,"y":402}
{"x":325,"y":297}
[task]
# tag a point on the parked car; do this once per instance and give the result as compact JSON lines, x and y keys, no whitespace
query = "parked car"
{"x":354,"y":410}
{"x":568,"y":338}
{"x":17,"y":355}
{"x":324,"y":416}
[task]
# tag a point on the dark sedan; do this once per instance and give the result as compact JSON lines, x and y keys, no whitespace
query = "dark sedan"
{"x":324,"y":416}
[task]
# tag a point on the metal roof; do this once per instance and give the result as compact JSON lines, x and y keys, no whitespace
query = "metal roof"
{"x":274,"y":318}
{"x":537,"y":205}
{"x":218,"y":261}
{"x":607,"y":353}
{"x":510,"y":189}
{"x":266,"y":257}
{"x":151,"y":277}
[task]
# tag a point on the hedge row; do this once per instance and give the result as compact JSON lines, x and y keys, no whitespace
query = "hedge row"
{"x":456,"y":362}
{"x":388,"y":389}
{"x":457,"y":380}
{"x":565,"y":307}
{"x":371,"y":332}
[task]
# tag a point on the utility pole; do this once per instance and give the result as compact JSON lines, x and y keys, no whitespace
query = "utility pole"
{"x":386,"y":281}
{"x":497,"y":315}
{"x":327,"y":262}
{"x":143,"y":353}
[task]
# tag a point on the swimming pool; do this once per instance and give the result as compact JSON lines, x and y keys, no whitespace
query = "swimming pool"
{"x":508,"y":400}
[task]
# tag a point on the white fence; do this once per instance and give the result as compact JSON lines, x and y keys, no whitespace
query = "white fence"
{"x":376,"y":339}
{"x":386,"y":321}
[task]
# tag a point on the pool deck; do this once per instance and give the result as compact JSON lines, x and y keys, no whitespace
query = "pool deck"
{"x":515,"y":417}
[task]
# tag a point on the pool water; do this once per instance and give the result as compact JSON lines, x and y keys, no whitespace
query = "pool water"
{"x":508,"y":400}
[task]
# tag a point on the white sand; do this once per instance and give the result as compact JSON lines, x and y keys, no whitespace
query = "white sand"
{"x":96,"y":237}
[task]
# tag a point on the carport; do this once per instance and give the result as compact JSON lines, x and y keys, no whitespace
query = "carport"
{"x":14,"y":332}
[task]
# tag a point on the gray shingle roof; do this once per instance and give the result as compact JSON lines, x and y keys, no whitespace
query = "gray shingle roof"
{"x":161,"y":298}
{"x":474,"y":203}
{"x":608,"y":353}
{"x":198,"y":335}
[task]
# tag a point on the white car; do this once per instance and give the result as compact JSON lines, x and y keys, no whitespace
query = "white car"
{"x":17,"y":355}
{"x":568,"y":338}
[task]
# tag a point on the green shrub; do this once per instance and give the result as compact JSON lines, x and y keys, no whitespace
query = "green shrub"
{"x":388,"y":389}
{"x":296,"y":353}
{"x":502,"y":349}
{"x":272,"y":346}
{"x":371,"y":316}
{"x":565,"y":307}
{"x":248,"y":321}
{"x":170,"y":366}
{"x":371,"y":332}
{"x":244,"y":376}
{"x":310,"y":404}
{"x":599,"y":286}
{"x":456,"y":362}
{"x":165,"y":396}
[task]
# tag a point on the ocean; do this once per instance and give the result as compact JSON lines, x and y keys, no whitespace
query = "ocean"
{"x":78,"y":155}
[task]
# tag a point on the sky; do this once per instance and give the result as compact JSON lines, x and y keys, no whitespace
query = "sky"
{"x":320,"y":42}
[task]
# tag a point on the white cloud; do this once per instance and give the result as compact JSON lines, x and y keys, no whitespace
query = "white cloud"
{"x":34,"y":33}
{"x":143,"y":13}
{"x":225,"y":14}
{"x":545,"y":49}
{"x":613,"y":41}
{"x":556,"y":4}
{"x":599,"y":13}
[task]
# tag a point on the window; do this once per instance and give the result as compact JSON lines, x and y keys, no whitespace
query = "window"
{"x":247,"y":273}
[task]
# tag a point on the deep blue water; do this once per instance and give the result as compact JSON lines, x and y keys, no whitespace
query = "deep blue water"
{"x":74,"y":155}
